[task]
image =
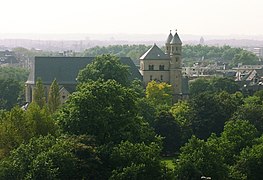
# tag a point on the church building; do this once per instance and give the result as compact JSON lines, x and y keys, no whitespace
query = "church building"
{"x":166,"y":66}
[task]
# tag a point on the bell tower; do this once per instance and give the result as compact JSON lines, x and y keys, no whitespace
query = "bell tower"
{"x":167,"y":43}
{"x":176,"y":66}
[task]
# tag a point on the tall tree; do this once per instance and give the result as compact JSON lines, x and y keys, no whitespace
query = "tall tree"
{"x":105,"y":67}
{"x":53,"y":97}
{"x":159,"y":93}
{"x":39,"y":94}
{"x":106,"y":110}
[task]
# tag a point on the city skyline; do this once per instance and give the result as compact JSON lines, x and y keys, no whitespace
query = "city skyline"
{"x":204,"y":17}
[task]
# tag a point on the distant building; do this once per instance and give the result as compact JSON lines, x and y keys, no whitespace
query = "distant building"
{"x":202,"y":41}
{"x":166,"y":67}
{"x":258,"y":51}
{"x":7,"y":58}
{"x":65,"y":71}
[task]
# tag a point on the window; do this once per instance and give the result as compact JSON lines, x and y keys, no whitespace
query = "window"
{"x":161,"y":67}
{"x":161,"y":77}
{"x":151,"y":67}
{"x":151,"y":77}
{"x":177,"y":59}
{"x":176,"y":48}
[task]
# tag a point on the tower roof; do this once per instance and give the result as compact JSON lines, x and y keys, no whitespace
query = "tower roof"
{"x":154,"y":53}
{"x":169,"y":38}
{"x":176,"y":39}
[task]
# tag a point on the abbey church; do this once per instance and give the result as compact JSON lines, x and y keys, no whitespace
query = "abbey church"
{"x":154,"y":65}
{"x":166,"y":66}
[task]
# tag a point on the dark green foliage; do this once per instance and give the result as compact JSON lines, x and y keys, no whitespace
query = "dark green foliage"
{"x":211,"y":111}
{"x":226,"y":54}
{"x":12,"y":86}
{"x":137,"y":161}
{"x":39,"y":94}
{"x":105,"y":67}
{"x":199,"y":158}
{"x":132,"y":51}
{"x":213,"y":85}
{"x":251,"y":111}
{"x":183,"y":114}
{"x":18,"y":126}
{"x":250,"y":161}
{"x":106,"y":110}
{"x":53,"y":97}
{"x":52,"y":158}
{"x":10,"y":92}
{"x":236,"y":136}
{"x":166,"y":126}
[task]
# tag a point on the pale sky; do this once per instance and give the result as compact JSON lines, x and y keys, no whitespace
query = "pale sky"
{"x":198,"y":17}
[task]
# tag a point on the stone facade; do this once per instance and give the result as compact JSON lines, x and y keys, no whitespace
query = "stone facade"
{"x":165,"y":67}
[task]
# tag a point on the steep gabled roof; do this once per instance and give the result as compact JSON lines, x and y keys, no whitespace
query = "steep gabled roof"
{"x":176,"y":39}
{"x":66,"y":69}
{"x":169,"y":38}
{"x":154,"y":53}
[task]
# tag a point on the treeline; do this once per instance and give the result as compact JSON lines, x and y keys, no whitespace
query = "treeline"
{"x":225,"y":54}
{"x":190,"y":53}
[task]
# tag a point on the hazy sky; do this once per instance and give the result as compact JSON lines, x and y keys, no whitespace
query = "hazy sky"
{"x":199,"y":17}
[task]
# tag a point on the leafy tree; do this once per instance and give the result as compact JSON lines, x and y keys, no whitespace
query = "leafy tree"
{"x":137,"y":161}
{"x":245,"y":57}
{"x":236,"y":136}
{"x":41,"y":120}
{"x":39,"y":94}
{"x":199,"y":158}
{"x":53,"y":97}
{"x":14,"y":129}
{"x":10,"y":91}
{"x":52,"y":158}
{"x":105,"y":67}
{"x":183,"y":114}
{"x":159,"y":93}
{"x":249,"y":163}
{"x":213,"y":85}
{"x":224,"y":84}
{"x":252,"y":111}
{"x":166,"y":126}
{"x":106,"y":110}
{"x":199,"y":86}
{"x":211,"y":111}
{"x":147,"y":110}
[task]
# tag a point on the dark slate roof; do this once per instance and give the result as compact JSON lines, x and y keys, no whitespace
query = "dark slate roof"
{"x":176,"y":39}
{"x":154,"y":53}
{"x":66,"y":69}
{"x":169,"y":38}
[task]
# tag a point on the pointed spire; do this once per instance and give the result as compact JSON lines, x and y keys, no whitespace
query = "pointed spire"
{"x":176,"y":39}
{"x":169,"y":38}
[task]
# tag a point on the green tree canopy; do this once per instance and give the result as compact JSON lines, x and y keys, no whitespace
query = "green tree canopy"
{"x":159,"y":93}
{"x":39,"y":94}
{"x":52,"y":157}
{"x":199,"y":158}
{"x":106,"y":110}
{"x":105,"y":67}
{"x":53,"y":97}
{"x":166,"y":126}
{"x":137,"y":161}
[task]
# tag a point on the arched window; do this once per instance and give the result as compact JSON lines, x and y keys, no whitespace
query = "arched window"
{"x":161,"y":67}
{"x":151,"y":67}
